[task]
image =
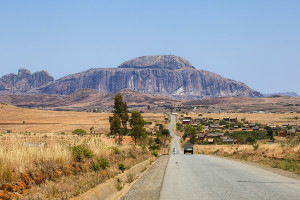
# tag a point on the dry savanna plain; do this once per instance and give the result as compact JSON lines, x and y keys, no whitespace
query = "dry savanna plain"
{"x":40,"y":157}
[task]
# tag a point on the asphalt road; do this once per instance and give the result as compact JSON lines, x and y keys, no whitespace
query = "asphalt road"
{"x":207,"y":177}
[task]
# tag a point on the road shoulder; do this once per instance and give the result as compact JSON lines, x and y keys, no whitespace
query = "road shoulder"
{"x":148,"y":187}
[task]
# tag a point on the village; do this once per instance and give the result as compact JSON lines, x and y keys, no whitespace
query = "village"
{"x":230,"y":130}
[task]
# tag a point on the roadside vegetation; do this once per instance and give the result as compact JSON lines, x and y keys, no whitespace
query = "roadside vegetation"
{"x":73,"y":163}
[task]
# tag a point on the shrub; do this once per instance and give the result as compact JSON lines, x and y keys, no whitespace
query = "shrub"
{"x":9,"y":131}
{"x":154,"y":153}
{"x":80,"y":132}
{"x":81,"y":151}
{"x":115,"y":150}
{"x":131,"y":155}
{"x":255,"y":146}
{"x":165,"y":132}
{"x":251,"y":139}
{"x":121,"y":167}
{"x":100,"y":163}
{"x":95,"y":166}
{"x":154,"y":147}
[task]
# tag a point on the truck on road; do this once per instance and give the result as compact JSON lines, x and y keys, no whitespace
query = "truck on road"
{"x":188,"y":148}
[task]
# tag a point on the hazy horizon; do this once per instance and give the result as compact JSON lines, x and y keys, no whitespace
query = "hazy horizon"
{"x":254,"y":42}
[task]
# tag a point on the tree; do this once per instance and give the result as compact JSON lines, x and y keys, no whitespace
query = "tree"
{"x":115,"y":126}
{"x":120,"y":110}
{"x":199,"y":127}
{"x":190,"y":132}
{"x":138,"y":132}
{"x":270,"y":132}
{"x":165,"y":132}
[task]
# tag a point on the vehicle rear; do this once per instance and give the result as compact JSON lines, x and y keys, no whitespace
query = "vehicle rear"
{"x":188,"y":148}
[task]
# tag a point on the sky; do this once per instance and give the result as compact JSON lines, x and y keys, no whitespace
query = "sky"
{"x":256,"y":42}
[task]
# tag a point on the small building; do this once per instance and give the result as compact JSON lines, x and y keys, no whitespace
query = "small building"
{"x":229,"y":140}
{"x":187,"y":120}
{"x":215,"y":135}
{"x":227,"y":119}
{"x":205,"y":128}
{"x":255,"y":128}
{"x":214,"y":125}
{"x":194,"y":125}
{"x":199,"y":119}
{"x":244,"y":128}
{"x":210,"y":140}
{"x":252,"y":125}
{"x":282,"y":134}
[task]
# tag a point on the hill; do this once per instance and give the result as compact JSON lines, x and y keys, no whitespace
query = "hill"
{"x":167,"y":75}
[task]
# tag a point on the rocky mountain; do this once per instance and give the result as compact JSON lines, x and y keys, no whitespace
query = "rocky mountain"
{"x":23,"y":81}
{"x":167,"y":75}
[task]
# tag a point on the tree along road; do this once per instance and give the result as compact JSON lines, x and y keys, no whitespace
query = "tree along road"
{"x":208,"y":177}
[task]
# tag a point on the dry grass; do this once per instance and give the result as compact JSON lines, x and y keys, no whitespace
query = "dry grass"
{"x":16,"y":158}
{"x":55,"y":129}
{"x":41,"y":121}
{"x":276,"y":155}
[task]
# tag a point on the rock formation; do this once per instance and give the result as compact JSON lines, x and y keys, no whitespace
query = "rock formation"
{"x":170,"y":76}
{"x":23,"y":81}
{"x":167,"y":75}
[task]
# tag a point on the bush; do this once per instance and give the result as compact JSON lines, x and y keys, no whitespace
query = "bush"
{"x":158,"y":141}
{"x":131,"y":155}
{"x":101,"y":163}
{"x":251,"y":139}
{"x":165,"y":132}
{"x":154,"y":153}
{"x":255,"y":146}
{"x":81,"y":151}
{"x":80,"y":132}
{"x":121,"y":167}
{"x":154,"y":147}
{"x":115,"y":150}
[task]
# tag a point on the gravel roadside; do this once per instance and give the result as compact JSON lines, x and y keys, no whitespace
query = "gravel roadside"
{"x":148,"y":187}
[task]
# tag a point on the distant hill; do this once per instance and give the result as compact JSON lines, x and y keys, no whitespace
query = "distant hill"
{"x":289,"y":94}
{"x":83,"y":98}
{"x":167,"y":75}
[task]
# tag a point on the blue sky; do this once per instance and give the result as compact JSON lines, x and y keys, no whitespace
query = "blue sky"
{"x":253,"y":41}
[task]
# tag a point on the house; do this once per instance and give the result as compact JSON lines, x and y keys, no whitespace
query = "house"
{"x":255,"y":128}
{"x":210,"y":140}
{"x":187,"y":120}
{"x":252,"y":125}
{"x":229,"y":140}
{"x":205,"y":128}
{"x":199,"y":119}
{"x":194,"y":125}
{"x":227,"y":119}
{"x":214,"y":125}
{"x":244,"y":128}
{"x":282,"y":134}
{"x":235,"y":126}
{"x":215,"y":135}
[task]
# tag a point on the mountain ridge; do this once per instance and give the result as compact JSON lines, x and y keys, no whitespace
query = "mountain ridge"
{"x":167,"y":75}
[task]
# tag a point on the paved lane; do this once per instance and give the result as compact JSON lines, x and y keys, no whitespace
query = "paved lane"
{"x":208,"y":177}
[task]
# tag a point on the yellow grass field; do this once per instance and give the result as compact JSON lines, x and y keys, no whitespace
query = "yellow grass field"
{"x":41,"y":121}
